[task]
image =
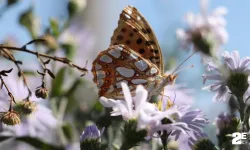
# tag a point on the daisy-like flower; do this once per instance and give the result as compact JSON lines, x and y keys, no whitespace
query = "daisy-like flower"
{"x":205,"y":32}
{"x":131,"y":106}
{"x":141,"y":116}
{"x":136,"y":108}
{"x":41,"y":123}
{"x":185,"y":128}
{"x":195,"y":120}
{"x":232,"y":79}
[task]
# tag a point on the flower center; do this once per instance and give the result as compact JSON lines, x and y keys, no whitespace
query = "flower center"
{"x":160,"y":106}
{"x":202,"y":43}
{"x":238,"y":83}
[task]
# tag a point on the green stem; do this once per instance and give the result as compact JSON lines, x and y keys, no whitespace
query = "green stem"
{"x":125,"y":146}
{"x":242,"y":111}
{"x":164,"y":138}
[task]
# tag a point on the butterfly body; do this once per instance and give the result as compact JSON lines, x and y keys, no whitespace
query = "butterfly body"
{"x":134,"y":57}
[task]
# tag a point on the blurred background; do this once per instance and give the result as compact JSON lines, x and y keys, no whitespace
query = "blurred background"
{"x":84,"y":28}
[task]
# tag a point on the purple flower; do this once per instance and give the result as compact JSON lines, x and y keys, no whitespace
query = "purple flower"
{"x":205,"y":32}
{"x":223,"y":121}
{"x":230,"y":79}
{"x":91,"y":133}
{"x":195,"y":120}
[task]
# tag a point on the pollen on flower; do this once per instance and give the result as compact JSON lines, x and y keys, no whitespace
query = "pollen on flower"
{"x":161,"y":106}
{"x":25,"y":107}
{"x":10,"y":118}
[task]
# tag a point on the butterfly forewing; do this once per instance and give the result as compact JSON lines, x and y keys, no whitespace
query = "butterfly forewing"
{"x":134,"y":31}
{"x":119,"y":64}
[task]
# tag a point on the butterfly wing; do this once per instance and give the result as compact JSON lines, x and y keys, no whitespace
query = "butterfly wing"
{"x":134,"y":31}
{"x":119,"y":64}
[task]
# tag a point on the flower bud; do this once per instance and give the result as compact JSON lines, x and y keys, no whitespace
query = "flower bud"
{"x":25,"y":107}
{"x":42,"y":92}
{"x":10,"y":118}
{"x":226,"y":125}
{"x":91,"y":138}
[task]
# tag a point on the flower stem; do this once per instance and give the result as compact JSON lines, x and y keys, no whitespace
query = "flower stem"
{"x":7,"y":54}
{"x":242,"y":112}
{"x":9,"y":93}
{"x":164,"y":138}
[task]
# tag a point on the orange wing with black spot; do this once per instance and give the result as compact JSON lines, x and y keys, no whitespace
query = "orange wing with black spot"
{"x":134,"y":32}
{"x":121,"y":64}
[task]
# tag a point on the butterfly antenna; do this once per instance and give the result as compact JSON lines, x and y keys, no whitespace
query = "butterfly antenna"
{"x":183,"y":62}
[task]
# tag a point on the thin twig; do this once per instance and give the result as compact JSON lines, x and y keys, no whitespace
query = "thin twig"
{"x":55,"y":58}
{"x":9,"y":93}
{"x":11,"y":57}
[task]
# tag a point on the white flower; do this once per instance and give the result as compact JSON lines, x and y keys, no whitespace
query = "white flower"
{"x":41,"y":123}
{"x":234,"y":66}
{"x":131,"y":106}
{"x":205,"y":32}
{"x":137,"y":108}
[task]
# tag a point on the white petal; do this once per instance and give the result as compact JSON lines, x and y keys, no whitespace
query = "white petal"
{"x":203,"y":6}
{"x":107,"y":102}
{"x":213,"y":87}
{"x":167,"y":114}
{"x":244,"y":62}
{"x":140,"y":98}
{"x":190,"y":19}
{"x":149,"y":108}
{"x":143,"y":120}
{"x":236,"y":57}
{"x":211,"y":77}
{"x":127,"y":96}
{"x":181,"y":34}
{"x":122,"y":108}
{"x":220,"y":11}
{"x":222,"y":35}
{"x":222,"y":95}
{"x":229,"y":60}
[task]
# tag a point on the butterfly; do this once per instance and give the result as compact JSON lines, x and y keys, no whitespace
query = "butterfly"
{"x":134,"y":57}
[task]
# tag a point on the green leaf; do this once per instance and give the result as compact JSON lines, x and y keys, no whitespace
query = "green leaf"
{"x":37,"y":143}
{"x":26,"y":20}
{"x":57,"y":83}
{"x":98,"y":107}
{"x":54,"y":27}
{"x":3,"y":138}
{"x":73,"y":88}
{"x":69,"y":49}
{"x":72,"y":8}
{"x":67,"y":130}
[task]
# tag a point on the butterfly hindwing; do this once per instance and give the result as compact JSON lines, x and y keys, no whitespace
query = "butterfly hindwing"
{"x":134,"y":32}
{"x":121,"y":64}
